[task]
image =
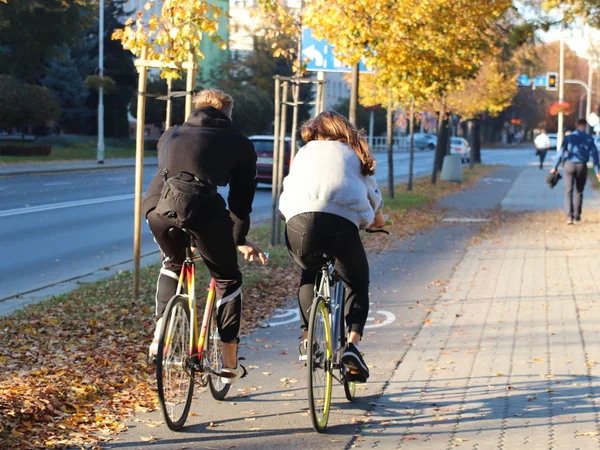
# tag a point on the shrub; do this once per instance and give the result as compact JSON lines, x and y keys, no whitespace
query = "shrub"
{"x":150,"y":144}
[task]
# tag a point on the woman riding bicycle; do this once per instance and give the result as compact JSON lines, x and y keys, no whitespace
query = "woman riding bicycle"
{"x":329,"y":195}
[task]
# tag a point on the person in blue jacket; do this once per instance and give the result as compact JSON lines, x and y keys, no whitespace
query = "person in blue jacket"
{"x":575,"y":151}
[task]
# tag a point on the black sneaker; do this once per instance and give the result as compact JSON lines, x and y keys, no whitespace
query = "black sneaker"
{"x":354,"y":362}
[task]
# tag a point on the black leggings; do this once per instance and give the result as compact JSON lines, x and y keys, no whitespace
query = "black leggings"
{"x":310,"y":235}
{"x":214,"y":240}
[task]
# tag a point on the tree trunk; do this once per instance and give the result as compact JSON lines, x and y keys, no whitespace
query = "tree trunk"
{"x":441,"y":149}
{"x":390,"y":149}
{"x":475,"y":142}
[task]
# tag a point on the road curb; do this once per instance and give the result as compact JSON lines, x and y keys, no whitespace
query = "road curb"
{"x":69,"y":169}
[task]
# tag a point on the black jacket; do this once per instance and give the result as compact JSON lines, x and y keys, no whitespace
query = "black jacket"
{"x":209,"y":146}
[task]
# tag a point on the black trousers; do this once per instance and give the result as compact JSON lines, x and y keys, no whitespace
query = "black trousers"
{"x":213,"y":237}
{"x":308,"y":237}
{"x":542,"y":155}
{"x":575,"y":178}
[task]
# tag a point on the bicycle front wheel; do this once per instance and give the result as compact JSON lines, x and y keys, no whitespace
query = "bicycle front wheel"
{"x":218,"y":389}
{"x":319,"y":353}
{"x":174,"y":371}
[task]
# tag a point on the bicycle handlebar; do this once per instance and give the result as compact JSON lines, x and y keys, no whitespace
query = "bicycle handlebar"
{"x":388,"y":223}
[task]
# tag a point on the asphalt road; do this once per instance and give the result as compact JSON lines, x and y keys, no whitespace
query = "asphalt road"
{"x":64,"y":226}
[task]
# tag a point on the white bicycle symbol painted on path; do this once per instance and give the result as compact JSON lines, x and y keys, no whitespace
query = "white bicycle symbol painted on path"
{"x":292,"y":315}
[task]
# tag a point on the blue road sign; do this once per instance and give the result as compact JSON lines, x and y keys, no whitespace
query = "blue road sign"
{"x":523,"y":80}
{"x":540,"y":81}
{"x":321,"y":57}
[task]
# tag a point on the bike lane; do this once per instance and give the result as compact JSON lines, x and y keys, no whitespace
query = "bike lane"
{"x":269,"y":408}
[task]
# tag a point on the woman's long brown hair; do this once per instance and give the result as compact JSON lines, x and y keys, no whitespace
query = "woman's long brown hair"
{"x":332,"y":126}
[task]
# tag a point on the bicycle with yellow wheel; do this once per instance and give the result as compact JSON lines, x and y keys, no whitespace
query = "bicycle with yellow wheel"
{"x":327,"y":338}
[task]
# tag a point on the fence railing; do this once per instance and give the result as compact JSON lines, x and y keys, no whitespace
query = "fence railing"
{"x":399,"y":144}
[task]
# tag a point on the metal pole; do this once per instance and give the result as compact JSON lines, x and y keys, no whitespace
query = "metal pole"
{"x":322,"y":77}
{"x":390,"y":149}
{"x":139,"y":175}
{"x":100,"y":153}
{"x":353,"y":116}
{"x":296,"y":96}
{"x":282,"y":155}
{"x":274,"y":212}
{"x":371,"y":126}
{"x":318,"y":99}
{"x":189,"y":87}
{"x":581,"y":104}
{"x":561,"y":91}
{"x":169,"y":104}
{"x":588,"y":106}
{"x":411,"y":161}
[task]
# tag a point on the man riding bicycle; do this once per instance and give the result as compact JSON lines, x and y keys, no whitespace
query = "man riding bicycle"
{"x":209,"y":148}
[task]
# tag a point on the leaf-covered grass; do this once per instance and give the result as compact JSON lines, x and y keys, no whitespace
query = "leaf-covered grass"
{"x":75,"y":365}
{"x":592,"y":176}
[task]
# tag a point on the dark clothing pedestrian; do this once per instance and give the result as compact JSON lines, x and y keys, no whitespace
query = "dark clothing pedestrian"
{"x":542,"y":155}
{"x":575,"y":151}
{"x":575,"y":179}
{"x":312,"y":234}
{"x":208,"y":146}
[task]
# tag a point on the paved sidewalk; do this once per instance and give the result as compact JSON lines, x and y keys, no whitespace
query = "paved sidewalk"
{"x":507,"y":358}
{"x":69,"y":166}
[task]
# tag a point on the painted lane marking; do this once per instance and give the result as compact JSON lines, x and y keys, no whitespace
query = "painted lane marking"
{"x":389,"y":318}
{"x":465,"y":219}
{"x":57,"y":183}
{"x":292,"y":315}
{"x":73,"y":204}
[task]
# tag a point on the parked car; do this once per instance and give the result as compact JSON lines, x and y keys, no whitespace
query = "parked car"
{"x":552,"y":137}
{"x":264,"y":161}
{"x":425,"y":140}
{"x":460,"y":146}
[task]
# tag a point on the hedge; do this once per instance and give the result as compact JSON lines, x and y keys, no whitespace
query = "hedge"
{"x":19,"y":150}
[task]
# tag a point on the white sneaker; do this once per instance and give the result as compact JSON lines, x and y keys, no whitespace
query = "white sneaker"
{"x":153,"y":350}
{"x":231,"y":375}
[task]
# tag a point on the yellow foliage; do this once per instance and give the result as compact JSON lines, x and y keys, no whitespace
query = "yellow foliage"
{"x":490,"y":91}
{"x":172,"y":36}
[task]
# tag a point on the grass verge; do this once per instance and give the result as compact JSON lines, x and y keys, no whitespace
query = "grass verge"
{"x":74,"y":366}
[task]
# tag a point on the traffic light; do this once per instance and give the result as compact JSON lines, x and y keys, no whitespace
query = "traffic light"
{"x":552,"y":81}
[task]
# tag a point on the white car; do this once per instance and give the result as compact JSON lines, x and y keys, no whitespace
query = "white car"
{"x":553,"y":138}
{"x":460,"y":146}
{"x":425,"y":140}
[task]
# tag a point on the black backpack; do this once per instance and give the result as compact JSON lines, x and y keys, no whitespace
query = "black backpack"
{"x":182,"y":195}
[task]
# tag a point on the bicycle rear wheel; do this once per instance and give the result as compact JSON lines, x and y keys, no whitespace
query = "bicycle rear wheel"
{"x":218,"y":389}
{"x":174,"y":372}
{"x":319,"y":355}
{"x":349,"y":389}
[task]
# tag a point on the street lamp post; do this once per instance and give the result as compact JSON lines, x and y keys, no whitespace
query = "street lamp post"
{"x":561,"y":91}
{"x":100,"y":154}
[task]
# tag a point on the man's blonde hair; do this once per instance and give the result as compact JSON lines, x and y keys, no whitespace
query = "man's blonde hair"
{"x":215,"y":98}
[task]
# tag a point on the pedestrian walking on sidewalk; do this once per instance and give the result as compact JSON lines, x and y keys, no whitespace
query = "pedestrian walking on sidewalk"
{"x":542,"y":145}
{"x":575,"y":151}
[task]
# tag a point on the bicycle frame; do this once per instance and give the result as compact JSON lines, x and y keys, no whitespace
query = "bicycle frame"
{"x":334,"y":297}
{"x":187,"y":277}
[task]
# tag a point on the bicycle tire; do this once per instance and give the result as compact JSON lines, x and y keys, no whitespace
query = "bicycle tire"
{"x":319,"y":364}
{"x":349,"y":389}
{"x":218,"y":389}
{"x":174,"y":372}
